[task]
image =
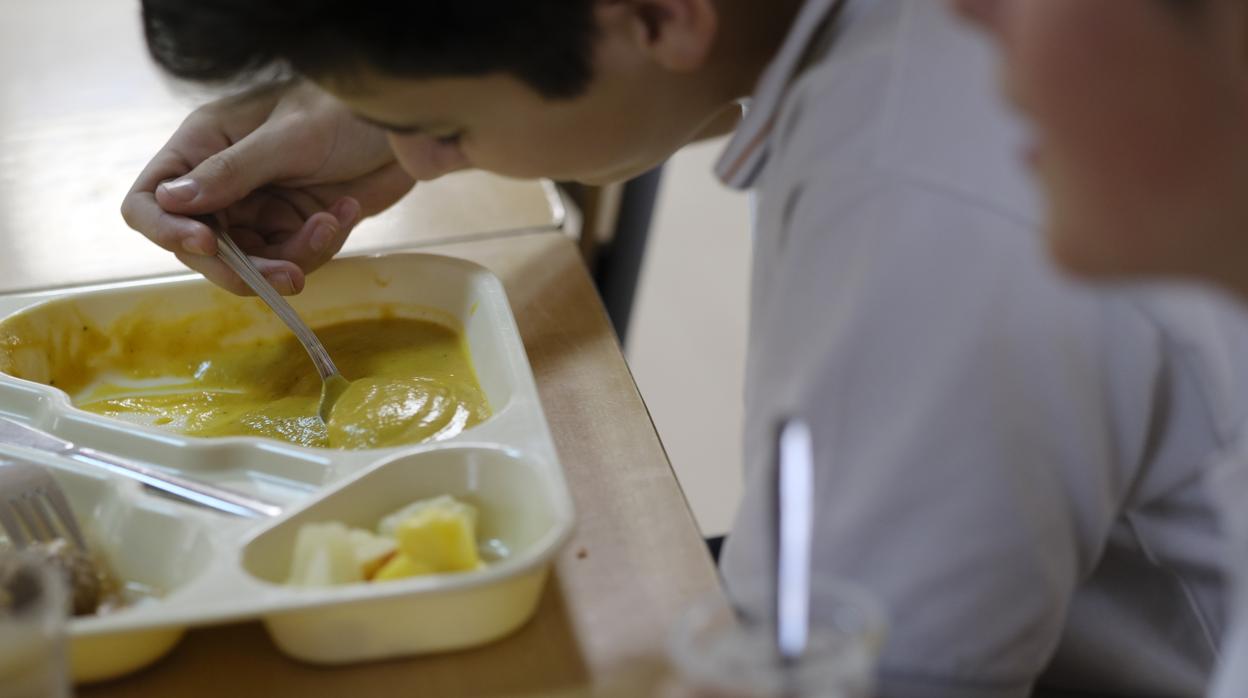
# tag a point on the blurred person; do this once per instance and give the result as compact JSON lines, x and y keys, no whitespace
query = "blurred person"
{"x":1012,"y":462}
{"x":1139,"y":112}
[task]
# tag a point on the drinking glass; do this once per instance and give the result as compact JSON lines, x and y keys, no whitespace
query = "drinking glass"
{"x":33,"y":614}
{"x":720,"y":652}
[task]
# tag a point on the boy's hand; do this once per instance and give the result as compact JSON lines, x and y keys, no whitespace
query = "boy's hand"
{"x":292,"y":170}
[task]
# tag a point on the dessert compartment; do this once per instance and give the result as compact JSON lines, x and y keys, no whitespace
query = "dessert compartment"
{"x":522,"y":508}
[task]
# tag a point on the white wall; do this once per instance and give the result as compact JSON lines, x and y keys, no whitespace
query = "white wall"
{"x":686,"y":341}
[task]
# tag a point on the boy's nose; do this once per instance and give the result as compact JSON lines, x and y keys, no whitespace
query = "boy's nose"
{"x":982,"y":12}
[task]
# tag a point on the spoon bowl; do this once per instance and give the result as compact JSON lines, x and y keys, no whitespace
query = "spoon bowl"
{"x":332,"y":388}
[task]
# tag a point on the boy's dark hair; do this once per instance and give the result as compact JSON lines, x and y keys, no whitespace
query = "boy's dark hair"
{"x":546,"y":43}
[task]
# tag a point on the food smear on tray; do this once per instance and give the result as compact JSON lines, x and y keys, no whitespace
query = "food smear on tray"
{"x":412,"y":379}
{"x":92,"y":587}
{"x":429,"y":536}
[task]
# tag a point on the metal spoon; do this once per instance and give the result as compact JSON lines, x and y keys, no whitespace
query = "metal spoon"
{"x":332,"y":382}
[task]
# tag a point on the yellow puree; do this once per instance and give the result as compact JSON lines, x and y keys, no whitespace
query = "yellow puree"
{"x":411,"y":382}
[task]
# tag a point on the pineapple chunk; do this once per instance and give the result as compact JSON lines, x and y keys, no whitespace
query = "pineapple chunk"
{"x":371,"y":550}
{"x":389,"y":526}
{"x":399,"y":567}
{"x":441,"y":537}
{"x":323,"y":556}
{"x":425,"y":537}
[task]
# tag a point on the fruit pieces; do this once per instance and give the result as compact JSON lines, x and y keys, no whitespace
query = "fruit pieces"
{"x":434,"y":535}
{"x":400,"y":566}
{"x":428,"y":536}
{"x":442,"y":538}
{"x":371,"y":550}
{"x":389,"y":524}
{"x":324,"y":556}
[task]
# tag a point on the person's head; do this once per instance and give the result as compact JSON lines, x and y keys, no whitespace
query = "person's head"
{"x":585,"y":90}
{"x":1140,"y":111}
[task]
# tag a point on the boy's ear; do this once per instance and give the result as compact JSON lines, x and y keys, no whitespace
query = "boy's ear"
{"x":675,"y":34}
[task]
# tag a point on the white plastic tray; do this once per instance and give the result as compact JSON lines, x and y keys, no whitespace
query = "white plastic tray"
{"x":215,"y":568}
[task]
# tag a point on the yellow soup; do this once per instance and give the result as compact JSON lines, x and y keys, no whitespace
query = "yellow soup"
{"x":411,"y":381}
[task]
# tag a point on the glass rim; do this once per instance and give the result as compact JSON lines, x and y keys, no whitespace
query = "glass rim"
{"x":865,"y":635}
{"x":52,"y":598}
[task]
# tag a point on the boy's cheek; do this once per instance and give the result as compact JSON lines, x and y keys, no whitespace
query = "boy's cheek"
{"x":529,"y":157}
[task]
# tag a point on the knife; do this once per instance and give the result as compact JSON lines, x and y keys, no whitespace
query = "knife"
{"x":15,"y":433}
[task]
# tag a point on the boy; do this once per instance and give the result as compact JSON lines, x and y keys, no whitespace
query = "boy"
{"x":1012,"y":463}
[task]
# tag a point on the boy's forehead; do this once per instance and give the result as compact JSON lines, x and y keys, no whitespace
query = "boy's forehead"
{"x":369,"y":86}
{"x":421,"y":102}
{"x":395,"y":104}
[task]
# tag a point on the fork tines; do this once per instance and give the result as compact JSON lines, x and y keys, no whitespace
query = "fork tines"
{"x":33,"y":508}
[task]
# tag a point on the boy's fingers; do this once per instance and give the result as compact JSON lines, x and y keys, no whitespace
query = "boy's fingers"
{"x":347,"y":211}
{"x":228,"y":176}
{"x":375,"y":191}
{"x":172,"y":232}
{"x":141,"y":211}
{"x":284,"y":276}
{"x":320,"y":237}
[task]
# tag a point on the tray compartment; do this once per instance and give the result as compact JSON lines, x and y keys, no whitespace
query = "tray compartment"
{"x":56,"y":342}
{"x":142,"y":541}
{"x":272,"y":470}
{"x":518,"y":506}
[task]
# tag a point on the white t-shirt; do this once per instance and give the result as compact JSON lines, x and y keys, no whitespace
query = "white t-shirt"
{"x":1013,"y":462}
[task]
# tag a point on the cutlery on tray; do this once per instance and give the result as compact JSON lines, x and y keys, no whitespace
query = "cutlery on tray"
{"x":16,"y":433}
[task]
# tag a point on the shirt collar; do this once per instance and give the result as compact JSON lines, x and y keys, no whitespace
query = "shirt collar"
{"x":743,"y":159}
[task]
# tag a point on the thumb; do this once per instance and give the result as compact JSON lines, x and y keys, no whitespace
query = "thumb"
{"x":224,"y":178}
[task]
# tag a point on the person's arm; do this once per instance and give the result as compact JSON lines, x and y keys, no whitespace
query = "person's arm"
{"x":969,"y":448}
{"x":292,"y":169}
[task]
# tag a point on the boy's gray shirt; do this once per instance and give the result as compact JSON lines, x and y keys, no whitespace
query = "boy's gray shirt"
{"x":1012,"y":461}
{"x":1229,"y":485}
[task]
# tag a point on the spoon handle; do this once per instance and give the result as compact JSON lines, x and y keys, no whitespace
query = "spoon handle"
{"x":229,"y":252}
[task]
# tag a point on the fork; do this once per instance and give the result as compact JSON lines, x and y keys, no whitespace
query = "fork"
{"x":33,"y":508}
{"x":332,"y":382}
